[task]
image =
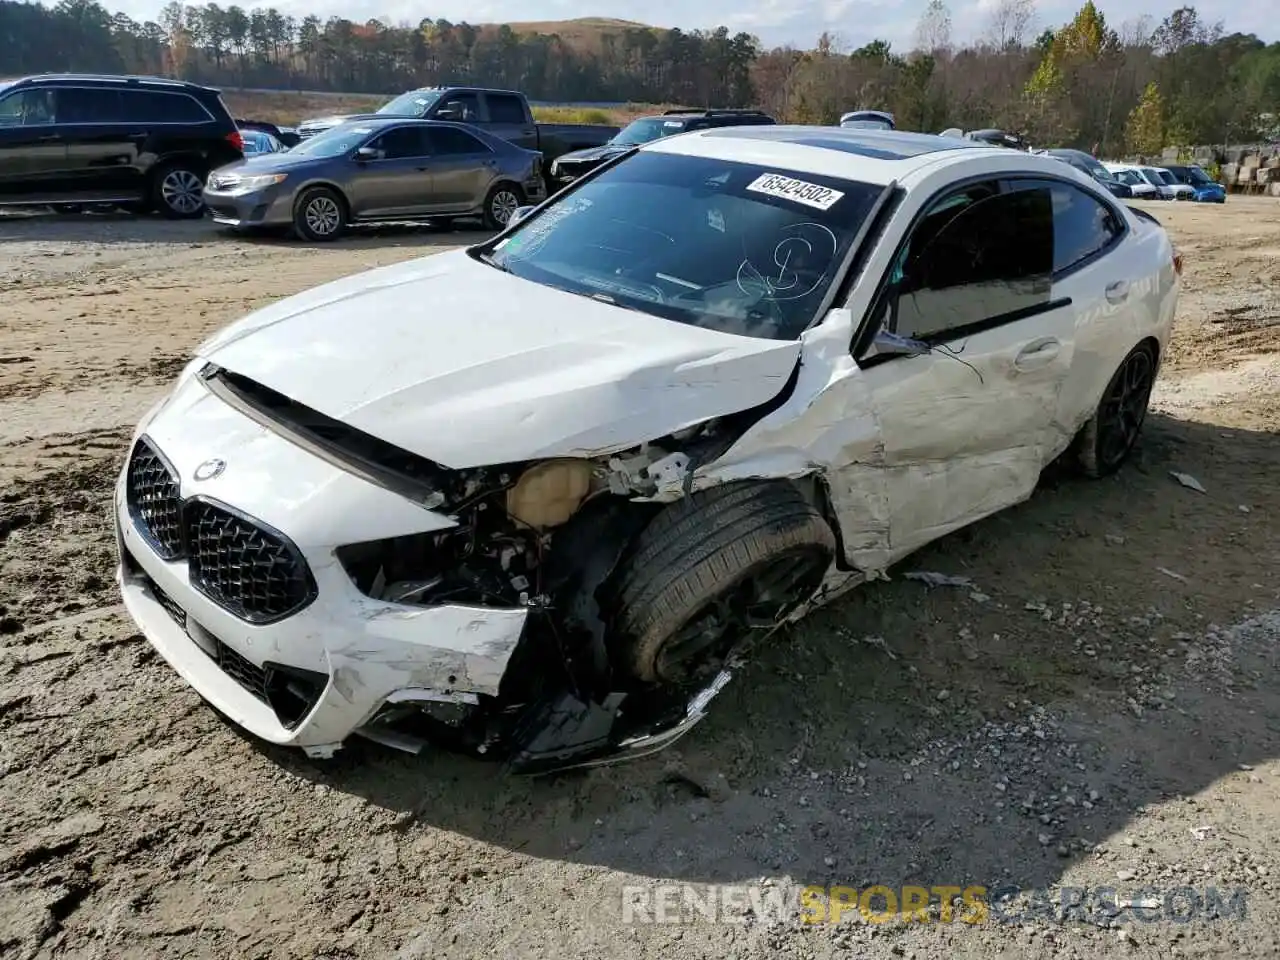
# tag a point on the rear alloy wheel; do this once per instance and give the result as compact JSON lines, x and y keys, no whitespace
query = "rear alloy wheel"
{"x":319,"y":215}
{"x":1109,"y":437}
{"x":712,"y":572}
{"x":502,"y":202}
{"x":179,"y":192}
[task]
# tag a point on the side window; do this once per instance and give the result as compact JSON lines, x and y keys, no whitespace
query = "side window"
{"x":1083,"y":226}
{"x":976,"y":256}
{"x":90,"y":105}
{"x":400,"y":143}
{"x":28,"y":108}
{"x":504,"y":108}
{"x":447,"y":141}
{"x":462,"y":107}
{"x":159,"y":106}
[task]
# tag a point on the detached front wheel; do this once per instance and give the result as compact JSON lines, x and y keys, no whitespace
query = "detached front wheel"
{"x":711,"y":571}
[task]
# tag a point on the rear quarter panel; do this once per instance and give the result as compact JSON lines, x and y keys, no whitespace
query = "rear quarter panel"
{"x":1145,"y":259}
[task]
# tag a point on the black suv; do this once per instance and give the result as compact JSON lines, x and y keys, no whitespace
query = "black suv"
{"x":143,"y":143}
{"x":568,"y":167}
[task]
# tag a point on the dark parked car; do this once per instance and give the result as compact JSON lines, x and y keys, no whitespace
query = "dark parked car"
{"x":1207,"y":190}
{"x":868,"y":120}
{"x":1088,"y":164}
{"x":138,"y":142}
{"x":997,"y":138}
{"x":570,"y":166}
{"x":286,"y":135}
{"x":502,"y":113}
{"x":391,"y":168}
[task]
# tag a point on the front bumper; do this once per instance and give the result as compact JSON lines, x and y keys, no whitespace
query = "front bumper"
{"x":342,"y":656}
{"x":269,"y":207}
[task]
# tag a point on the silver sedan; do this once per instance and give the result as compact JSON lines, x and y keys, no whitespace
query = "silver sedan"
{"x":378,"y":170}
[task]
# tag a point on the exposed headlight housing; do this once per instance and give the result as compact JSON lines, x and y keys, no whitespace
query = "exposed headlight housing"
{"x":549,"y":493}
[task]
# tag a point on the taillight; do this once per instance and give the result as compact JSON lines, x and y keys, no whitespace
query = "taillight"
{"x":1177,"y":264}
{"x":236,"y":140}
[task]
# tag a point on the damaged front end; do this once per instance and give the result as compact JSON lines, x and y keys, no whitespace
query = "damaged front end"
{"x":545,"y":537}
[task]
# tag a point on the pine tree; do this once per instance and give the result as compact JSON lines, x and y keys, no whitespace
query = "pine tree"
{"x":1144,"y":133}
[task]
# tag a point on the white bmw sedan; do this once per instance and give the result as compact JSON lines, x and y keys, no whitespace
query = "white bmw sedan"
{"x":536,"y":499}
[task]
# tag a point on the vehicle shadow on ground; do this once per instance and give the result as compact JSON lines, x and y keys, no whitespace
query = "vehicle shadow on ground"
{"x":34,"y":226}
{"x":1091,"y":598}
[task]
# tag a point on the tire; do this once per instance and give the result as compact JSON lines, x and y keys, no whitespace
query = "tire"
{"x":177,"y":190}
{"x":699,"y":554}
{"x":1106,"y":441}
{"x":320,"y":215}
{"x":500,"y":203}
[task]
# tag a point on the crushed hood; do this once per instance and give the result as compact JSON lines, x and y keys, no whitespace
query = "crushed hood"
{"x":468,"y":366}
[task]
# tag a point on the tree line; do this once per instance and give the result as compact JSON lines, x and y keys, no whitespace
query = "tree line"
{"x":1087,"y":83}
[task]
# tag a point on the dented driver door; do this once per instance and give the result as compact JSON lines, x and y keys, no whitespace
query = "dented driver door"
{"x":966,"y":427}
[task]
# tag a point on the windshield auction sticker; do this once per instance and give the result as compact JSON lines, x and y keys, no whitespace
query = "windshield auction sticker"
{"x":785,"y":188}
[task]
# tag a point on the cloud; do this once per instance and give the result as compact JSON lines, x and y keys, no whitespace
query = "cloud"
{"x":776,"y":22}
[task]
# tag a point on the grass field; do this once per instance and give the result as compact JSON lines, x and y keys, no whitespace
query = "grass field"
{"x":286,"y":107}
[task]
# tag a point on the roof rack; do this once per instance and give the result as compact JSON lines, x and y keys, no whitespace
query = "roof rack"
{"x":715,"y":112}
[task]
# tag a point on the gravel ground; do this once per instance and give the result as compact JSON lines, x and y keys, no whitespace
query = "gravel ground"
{"x":1095,"y":710}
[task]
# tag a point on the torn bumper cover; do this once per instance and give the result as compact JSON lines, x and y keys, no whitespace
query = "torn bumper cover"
{"x":229,"y":568}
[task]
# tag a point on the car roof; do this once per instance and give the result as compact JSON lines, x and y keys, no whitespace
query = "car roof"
{"x":870,"y":156}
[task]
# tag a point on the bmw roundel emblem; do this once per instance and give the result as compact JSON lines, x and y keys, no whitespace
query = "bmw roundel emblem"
{"x":210,"y":469}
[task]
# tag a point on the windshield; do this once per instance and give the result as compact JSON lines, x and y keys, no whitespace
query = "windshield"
{"x":732,"y":247}
{"x":411,"y":104}
{"x":643,"y":131}
{"x":866,"y":124}
{"x":1198,"y":176}
{"x":334,"y":142}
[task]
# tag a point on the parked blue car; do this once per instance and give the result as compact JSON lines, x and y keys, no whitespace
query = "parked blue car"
{"x":1207,"y":191}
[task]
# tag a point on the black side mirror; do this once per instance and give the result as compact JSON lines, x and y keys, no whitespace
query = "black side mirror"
{"x":449,"y":114}
{"x":365,"y":154}
{"x":888,"y":344}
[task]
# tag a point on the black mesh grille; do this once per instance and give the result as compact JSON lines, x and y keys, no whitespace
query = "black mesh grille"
{"x":253,"y":572}
{"x":152,"y":494}
{"x":170,"y":605}
{"x":253,"y":679}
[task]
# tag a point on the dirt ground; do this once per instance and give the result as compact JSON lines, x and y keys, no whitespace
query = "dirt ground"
{"x":1097,"y":709}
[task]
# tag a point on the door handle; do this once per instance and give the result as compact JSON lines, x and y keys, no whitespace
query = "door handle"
{"x":49,"y":138}
{"x":1037,"y":354}
{"x":1118,"y":292}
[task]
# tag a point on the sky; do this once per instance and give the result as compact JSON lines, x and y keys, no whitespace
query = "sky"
{"x":775,"y":22}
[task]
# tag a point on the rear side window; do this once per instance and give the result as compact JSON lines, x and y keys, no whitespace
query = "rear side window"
{"x":976,"y":257}
{"x":89,"y":105}
{"x":447,"y":141}
{"x":161,"y":106}
{"x":504,"y":108}
{"x":1083,"y":226}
